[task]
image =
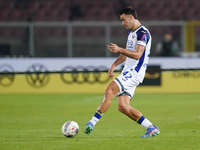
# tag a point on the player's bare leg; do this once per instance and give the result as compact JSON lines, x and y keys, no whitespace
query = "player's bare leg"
{"x":134,"y":114}
{"x":110,"y":93}
{"x":125,"y":108}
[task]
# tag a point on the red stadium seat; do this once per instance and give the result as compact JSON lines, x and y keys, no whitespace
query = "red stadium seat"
{"x":3,"y":15}
{"x":100,"y":10}
{"x":39,"y":15}
{"x":42,"y":32}
{"x":6,"y":32}
{"x":52,"y":15}
{"x":14,"y":15}
{"x":7,"y":4}
{"x":59,"y":32}
{"x":46,"y":5}
{"x":64,"y":15}
{"x":19,"y":32}
{"x":80,"y":32}
{"x":97,"y":31}
{"x":32,"y":7}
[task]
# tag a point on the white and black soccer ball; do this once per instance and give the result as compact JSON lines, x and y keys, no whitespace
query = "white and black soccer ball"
{"x":70,"y":129}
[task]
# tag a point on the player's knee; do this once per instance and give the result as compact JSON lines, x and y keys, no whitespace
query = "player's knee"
{"x":109,"y":92}
{"x":122,"y":108}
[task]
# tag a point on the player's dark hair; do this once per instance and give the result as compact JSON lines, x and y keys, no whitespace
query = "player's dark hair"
{"x":129,"y":11}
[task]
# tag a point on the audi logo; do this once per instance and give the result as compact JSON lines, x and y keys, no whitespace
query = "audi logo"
{"x":82,"y":75}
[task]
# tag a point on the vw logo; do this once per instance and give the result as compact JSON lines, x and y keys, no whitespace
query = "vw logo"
{"x":37,"y":76}
{"x":82,"y":75}
{"x":7,"y":75}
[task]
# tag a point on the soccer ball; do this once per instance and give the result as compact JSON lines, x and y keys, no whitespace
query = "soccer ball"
{"x":70,"y":129}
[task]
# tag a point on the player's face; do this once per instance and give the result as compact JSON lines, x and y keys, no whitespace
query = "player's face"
{"x":126,"y":21}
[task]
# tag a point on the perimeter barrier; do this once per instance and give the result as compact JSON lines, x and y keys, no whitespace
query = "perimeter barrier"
{"x":95,"y":80}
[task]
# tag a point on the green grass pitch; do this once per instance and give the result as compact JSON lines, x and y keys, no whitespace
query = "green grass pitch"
{"x":34,"y":121}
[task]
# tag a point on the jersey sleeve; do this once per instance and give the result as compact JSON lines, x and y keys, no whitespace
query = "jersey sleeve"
{"x":142,"y":37}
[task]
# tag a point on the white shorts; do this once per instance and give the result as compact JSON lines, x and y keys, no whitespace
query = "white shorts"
{"x":127,"y":83}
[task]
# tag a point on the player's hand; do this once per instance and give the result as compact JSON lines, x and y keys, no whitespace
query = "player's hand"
{"x":110,"y":72}
{"x":113,"y":48}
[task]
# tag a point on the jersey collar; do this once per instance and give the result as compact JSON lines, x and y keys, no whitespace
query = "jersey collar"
{"x":136,"y":28}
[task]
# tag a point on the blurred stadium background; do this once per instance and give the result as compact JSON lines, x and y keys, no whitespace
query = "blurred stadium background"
{"x":56,"y":49}
{"x":38,"y":37}
{"x":83,"y":28}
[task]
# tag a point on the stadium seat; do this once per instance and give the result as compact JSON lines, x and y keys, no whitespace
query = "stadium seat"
{"x":42,"y":32}
{"x":52,"y":15}
{"x":103,"y":10}
{"x":6,"y":32}
{"x":97,"y":31}
{"x":58,"y":32}
{"x":25,"y":17}
{"x":19,"y":32}
{"x":80,"y":32}
{"x":64,"y":15}
{"x":14,"y":15}
{"x":45,"y":5}
{"x":32,"y":7}
{"x":3,"y":15}
{"x":39,"y":15}
{"x":7,"y":5}
{"x":119,"y":31}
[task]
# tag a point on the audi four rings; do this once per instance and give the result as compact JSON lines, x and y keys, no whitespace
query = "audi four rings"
{"x":82,"y":74}
{"x":37,"y":75}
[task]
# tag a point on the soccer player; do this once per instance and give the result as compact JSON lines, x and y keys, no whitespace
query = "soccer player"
{"x":135,"y":56}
